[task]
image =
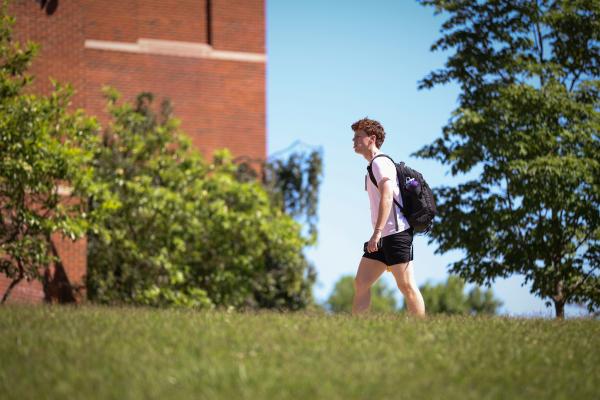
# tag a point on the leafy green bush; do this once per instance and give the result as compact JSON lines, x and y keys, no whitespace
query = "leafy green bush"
{"x":188,"y":233}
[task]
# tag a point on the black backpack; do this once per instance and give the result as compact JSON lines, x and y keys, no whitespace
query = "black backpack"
{"x":417,"y":197}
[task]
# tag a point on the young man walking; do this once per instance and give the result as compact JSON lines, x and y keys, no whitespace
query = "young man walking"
{"x":390,"y":245}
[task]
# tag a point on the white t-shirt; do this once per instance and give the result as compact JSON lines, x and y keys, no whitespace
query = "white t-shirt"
{"x":383,"y":167}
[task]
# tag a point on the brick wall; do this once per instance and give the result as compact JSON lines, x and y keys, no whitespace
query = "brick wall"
{"x":220,"y":100}
{"x":239,"y":25}
{"x":60,"y":36}
{"x":65,"y":281}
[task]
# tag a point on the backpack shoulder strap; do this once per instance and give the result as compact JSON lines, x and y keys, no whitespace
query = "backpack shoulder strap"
{"x":370,"y":170}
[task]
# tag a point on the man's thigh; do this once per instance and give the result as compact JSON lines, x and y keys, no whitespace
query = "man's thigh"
{"x":369,"y":271}
{"x":403,"y":273}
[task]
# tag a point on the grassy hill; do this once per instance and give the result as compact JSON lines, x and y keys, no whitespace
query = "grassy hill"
{"x":89,"y":352}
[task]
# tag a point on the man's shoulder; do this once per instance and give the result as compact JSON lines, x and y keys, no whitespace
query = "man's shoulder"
{"x":383,"y":160}
{"x":383,"y":167}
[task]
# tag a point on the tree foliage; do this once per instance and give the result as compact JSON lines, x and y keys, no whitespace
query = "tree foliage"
{"x":342,"y":295}
{"x":294,"y":184}
{"x":450,"y":298}
{"x":45,"y":167}
{"x":292,"y":178}
{"x":188,"y":233}
{"x":527,"y":124}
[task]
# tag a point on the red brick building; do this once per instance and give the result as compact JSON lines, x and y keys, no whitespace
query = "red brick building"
{"x":207,"y":56}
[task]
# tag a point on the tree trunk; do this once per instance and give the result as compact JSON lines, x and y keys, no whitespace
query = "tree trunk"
{"x":559,"y":307}
{"x":559,"y":300}
{"x":10,"y":288}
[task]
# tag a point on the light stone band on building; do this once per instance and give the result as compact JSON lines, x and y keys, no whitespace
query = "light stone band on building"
{"x":175,"y":48}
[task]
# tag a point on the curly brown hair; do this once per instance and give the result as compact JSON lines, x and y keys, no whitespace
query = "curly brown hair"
{"x":370,"y":127}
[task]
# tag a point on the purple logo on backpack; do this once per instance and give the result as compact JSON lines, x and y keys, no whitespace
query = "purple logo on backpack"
{"x":412,"y":185}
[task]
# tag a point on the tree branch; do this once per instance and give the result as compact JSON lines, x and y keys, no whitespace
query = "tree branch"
{"x":14,"y":283}
{"x":575,"y":79}
{"x":515,"y":226}
{"x":539,"y":42}
{"x":572,"y":290}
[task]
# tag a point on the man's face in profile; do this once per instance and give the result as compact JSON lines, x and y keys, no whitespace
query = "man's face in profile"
{"x":360,"y":142}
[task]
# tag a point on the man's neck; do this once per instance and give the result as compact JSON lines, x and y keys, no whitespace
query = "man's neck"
{"x":371,"y":153}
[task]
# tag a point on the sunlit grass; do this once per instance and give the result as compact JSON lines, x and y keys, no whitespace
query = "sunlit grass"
{"x":137,"y":353}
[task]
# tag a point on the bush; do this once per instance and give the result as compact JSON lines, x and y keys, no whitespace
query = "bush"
{"x":187,"y":232}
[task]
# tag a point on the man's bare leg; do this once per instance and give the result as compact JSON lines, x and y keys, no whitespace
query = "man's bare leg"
{"x":405,"y":279}
{"x":368,"y":273}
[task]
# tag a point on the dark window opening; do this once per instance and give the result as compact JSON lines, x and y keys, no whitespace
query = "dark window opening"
{"x":209,"y":38}
{"x":49,"y":6}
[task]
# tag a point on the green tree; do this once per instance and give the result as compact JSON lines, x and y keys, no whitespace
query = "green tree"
{"x":527,"y":124}
{"x":340,"y":299}
{"x":45,"y":168}
{"x":450,"y":298}
{"x":294,"y":183}
{"x":188,"y":233}
{"x":292,"y":177}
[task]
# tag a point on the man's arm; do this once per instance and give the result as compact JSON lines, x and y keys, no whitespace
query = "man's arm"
{"x":386,"y":189}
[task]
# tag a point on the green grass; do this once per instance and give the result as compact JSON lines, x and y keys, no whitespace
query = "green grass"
{"x":50,"y":352}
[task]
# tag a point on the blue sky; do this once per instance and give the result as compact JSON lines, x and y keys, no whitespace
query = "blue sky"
{"x":331,"y":63}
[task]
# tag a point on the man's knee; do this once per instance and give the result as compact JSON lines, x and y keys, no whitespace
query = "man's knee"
{"x":406,"y":287}
{"x":360,"y":285}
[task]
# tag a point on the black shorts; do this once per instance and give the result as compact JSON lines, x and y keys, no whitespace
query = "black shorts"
{"x":395,"y":249}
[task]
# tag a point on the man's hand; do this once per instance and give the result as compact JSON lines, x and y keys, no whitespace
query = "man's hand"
{"x":372,"y":246}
